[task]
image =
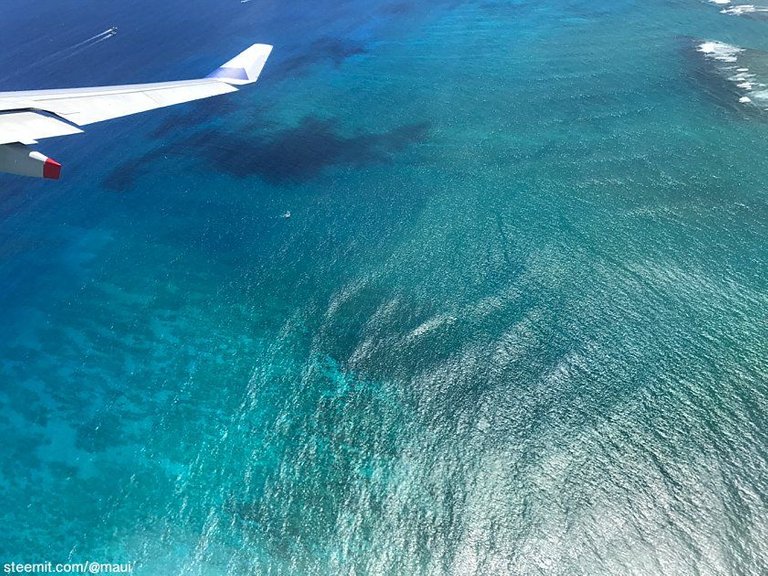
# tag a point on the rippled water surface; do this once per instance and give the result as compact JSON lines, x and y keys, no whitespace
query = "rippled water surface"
{"x":516,"y":322}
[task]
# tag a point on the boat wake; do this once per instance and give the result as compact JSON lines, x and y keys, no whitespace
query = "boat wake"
{"x":75,"y":49}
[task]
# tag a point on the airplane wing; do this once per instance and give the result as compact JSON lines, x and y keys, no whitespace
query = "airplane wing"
{"x":26,"y":117}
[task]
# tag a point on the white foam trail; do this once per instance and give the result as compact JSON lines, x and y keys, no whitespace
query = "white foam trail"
{"x":744,"y":9}
{"x":95,"y":39}
{"x":90,"y":42}
{"x":720,"y":51}
{"x":734,"y":69}
{"x":75,"y":49}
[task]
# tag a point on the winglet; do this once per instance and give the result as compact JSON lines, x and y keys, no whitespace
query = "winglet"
{"x":245,"y":67}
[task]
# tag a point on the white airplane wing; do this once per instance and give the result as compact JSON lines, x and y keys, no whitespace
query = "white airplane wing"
{"x":26,"y":117}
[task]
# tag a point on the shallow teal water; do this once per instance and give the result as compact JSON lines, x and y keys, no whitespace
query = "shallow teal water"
{"x":515,"y":324}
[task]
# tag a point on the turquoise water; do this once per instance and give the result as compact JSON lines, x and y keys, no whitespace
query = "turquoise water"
{"x":517,"y":322}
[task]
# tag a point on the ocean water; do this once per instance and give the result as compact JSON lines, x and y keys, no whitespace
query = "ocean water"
{"x":516,"y":324}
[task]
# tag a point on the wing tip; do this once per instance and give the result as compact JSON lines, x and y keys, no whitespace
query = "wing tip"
{"x":245,"y":68}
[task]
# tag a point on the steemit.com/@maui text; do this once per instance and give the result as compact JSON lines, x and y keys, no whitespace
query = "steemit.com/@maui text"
{"x":87,"y":567}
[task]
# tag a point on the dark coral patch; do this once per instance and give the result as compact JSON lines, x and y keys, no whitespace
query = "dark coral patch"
{"x":302,"y":152}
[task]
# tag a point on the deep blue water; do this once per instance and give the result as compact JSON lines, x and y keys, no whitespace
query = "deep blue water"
{"x":517,"y":322}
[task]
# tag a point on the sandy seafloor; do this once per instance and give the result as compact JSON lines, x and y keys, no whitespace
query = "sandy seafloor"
{"x":517,"y":322}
